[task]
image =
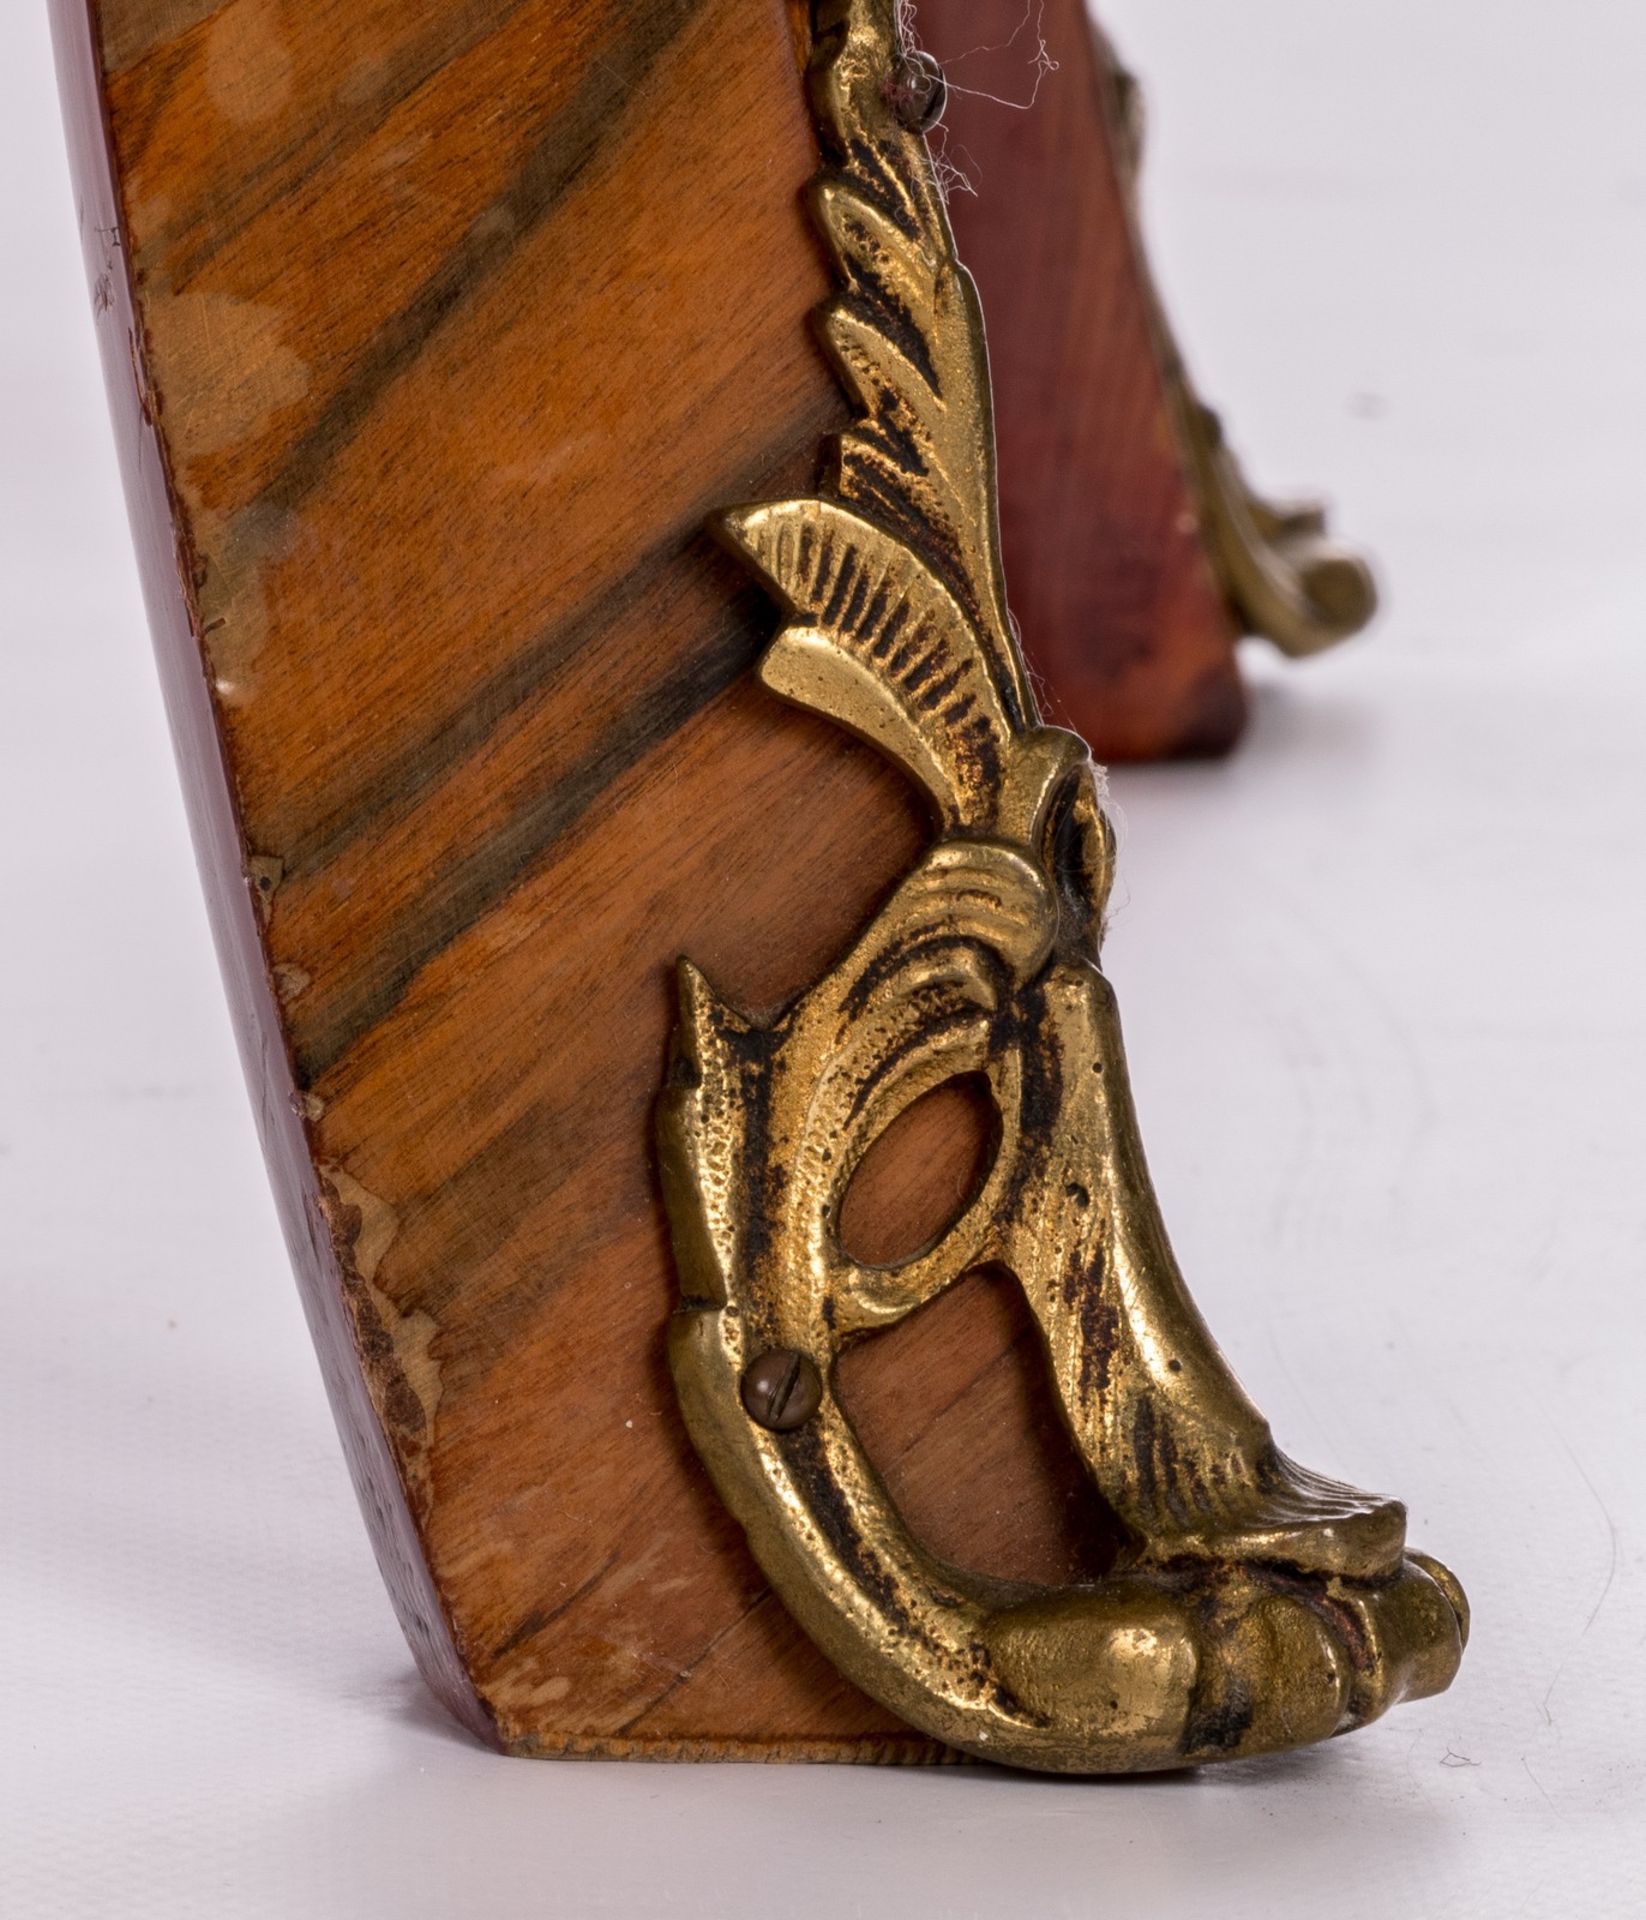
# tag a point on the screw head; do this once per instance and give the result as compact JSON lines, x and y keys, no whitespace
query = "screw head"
{"x":919,"y":92}
{"x":782,"y":1389}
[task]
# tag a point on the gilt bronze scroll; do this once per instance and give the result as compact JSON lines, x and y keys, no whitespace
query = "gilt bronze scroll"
{"x":1253,"y":1605}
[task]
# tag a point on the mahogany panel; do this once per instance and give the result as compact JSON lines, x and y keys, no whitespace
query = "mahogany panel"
{"x":1120,"y":613}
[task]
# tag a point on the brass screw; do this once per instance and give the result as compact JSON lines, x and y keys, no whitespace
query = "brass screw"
{"x":782,"y":1389}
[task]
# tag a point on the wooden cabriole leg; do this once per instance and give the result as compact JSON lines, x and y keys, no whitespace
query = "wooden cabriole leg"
{"x":434,"y":337}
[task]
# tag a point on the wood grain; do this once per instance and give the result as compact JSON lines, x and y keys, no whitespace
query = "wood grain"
{"x":1120,"y":613}
{"x":433,"y":334}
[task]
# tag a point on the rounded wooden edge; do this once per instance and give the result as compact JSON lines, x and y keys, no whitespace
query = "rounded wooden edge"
{"x":165,"y":569}
{"x":872,"y":1750}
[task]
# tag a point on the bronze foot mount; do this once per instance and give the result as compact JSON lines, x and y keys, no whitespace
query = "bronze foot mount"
{"x":1252,"y":1606}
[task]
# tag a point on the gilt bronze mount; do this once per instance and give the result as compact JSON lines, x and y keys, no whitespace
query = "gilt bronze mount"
{"x":1252,"y":1606}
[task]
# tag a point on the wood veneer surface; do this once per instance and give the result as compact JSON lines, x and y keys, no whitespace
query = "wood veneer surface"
{"x":1109,"y":579}
{"x":433,"y":335}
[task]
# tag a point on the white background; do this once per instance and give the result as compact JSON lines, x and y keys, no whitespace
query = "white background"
{"x":1383,"y":973}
